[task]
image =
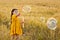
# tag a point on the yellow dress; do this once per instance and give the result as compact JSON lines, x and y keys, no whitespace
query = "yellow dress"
{"x":15,"y":26}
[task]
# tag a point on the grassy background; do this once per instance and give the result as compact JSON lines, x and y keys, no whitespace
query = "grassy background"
{"x":34,"y":28}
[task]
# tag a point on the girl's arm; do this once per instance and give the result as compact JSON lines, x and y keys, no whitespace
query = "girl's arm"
{"x":23,"y":22}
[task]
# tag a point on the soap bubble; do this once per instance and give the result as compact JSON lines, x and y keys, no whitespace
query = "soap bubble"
{"x":42,"y":19}
{"x":52,"y":23}
{"x":26,"y":8}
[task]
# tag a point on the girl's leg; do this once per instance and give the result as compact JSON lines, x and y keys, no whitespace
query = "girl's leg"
{"x":17,"y":37}
{"x":12,"y":37}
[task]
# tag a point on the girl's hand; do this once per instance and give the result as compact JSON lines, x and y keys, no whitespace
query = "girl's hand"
{"x":18,"y":15}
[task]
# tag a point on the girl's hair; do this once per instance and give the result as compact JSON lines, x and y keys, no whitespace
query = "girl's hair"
{"x":12,"y":13}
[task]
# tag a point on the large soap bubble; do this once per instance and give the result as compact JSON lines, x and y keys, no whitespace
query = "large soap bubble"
{"x":52,"y":23}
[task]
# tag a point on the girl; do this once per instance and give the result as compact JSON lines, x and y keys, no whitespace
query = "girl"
{"x":16,"y":29}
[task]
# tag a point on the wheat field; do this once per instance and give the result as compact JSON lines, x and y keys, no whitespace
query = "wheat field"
{"x":34,"y":28}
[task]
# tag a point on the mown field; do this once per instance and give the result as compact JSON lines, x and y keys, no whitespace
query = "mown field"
{"x":34,"y":27}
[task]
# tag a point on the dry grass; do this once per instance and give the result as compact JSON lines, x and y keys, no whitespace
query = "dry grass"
{"x":34,"y":29}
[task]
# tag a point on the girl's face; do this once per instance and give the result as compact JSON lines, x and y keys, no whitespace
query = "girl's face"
{"x":15,"y":12}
